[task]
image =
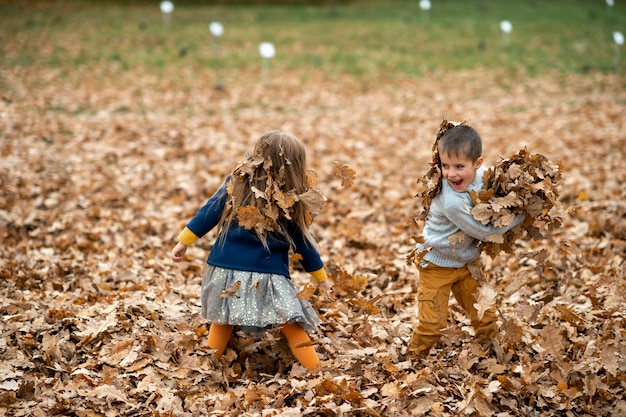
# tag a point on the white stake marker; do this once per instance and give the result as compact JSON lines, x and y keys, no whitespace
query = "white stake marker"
{"x":167,"y":7}
{"x":425,"y":9}
{"x":506,"y":27}
{"x":268,"y":52}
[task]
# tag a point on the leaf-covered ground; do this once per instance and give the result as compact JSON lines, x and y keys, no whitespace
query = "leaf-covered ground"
{"x":100,"y":170}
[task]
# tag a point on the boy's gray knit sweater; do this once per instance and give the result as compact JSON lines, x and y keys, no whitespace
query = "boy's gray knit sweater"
{"x":449,"y":213}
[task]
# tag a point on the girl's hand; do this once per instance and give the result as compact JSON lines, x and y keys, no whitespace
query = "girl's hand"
{"x":325,"y":285}
{"x":178,"y":252}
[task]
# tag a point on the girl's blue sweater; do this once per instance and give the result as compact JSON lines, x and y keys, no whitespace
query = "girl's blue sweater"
{"x":242,"y":250}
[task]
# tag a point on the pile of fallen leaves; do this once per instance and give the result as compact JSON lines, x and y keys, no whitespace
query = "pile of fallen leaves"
{"x":101,"y":167}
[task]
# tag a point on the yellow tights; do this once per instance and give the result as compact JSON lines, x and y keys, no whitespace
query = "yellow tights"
{"x":219,"y":334}
{"x":296,"y":336}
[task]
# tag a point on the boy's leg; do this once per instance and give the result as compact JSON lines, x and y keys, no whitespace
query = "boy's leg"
{"x":465,"y":291}
{"x":296,"y":335}
{"x":433,"y":294}
{"x":219,"y":334}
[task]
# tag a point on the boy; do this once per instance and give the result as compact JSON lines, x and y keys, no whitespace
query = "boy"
{"x":443,"y":269}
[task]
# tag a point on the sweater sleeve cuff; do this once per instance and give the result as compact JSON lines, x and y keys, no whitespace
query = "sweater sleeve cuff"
{"x":187,"y":237}
{"x":319,"y":275}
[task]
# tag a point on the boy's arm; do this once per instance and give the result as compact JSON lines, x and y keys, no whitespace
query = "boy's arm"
{"x":459,"y":213}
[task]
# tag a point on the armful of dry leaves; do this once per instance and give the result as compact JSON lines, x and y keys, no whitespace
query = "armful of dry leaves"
{"x":522,"y":184}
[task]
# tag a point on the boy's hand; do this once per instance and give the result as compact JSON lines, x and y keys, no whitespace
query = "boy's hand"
{"x":178,"y":252}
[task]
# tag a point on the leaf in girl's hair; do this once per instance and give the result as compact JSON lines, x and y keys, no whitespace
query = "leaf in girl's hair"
{"x":231,"y":290}
{"x":313,"y":201}
{"x":285,"y":200}
{"x":258,"y":193}
{"x":311,"y":179}
{"x":249,"y":217}
{"x":271,"y":213}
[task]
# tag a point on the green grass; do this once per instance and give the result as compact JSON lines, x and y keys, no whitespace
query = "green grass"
{"x":369,"y":39}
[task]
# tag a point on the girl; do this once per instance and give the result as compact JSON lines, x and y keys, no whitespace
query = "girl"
{"x":262,"y":211}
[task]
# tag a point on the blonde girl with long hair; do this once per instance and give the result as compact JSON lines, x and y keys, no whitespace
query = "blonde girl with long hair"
{"x":263,"y":212}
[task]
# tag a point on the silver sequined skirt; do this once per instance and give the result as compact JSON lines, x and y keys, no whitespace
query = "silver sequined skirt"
{"x":254,"y":301}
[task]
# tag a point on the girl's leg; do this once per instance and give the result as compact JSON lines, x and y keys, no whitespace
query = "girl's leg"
{"x":296,"y":336}
{"x":219,"y":334}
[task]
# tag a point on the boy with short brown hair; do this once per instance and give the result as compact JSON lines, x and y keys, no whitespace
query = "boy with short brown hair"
{"x":444,"y":258}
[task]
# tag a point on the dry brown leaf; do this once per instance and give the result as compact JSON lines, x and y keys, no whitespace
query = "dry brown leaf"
{"x":251,"y":218}
{"x":307,"y":292}
{"x":486,"y":299}
{"x":231,"y":290}
{"x":347,"y":174}
{"x":551,"y":341}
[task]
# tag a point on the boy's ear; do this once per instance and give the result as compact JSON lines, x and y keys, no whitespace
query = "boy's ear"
{"x":478,"y":162}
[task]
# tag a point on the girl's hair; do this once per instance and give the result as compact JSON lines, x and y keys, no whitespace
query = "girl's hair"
{"x":461,"y":141}
{"x":271,"y":182}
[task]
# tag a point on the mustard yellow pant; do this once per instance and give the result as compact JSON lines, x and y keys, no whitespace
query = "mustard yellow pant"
{"x":433,"y":294}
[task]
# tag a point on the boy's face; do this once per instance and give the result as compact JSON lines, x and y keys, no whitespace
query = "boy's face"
{"x":459,"y":171}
